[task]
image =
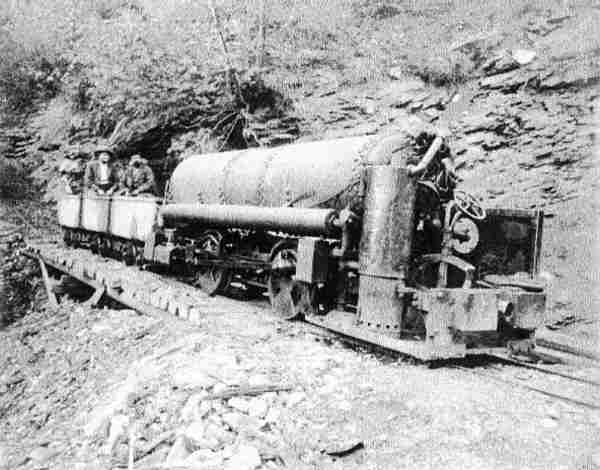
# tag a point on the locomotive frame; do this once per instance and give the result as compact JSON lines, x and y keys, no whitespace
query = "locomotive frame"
{"x":416,"y":267}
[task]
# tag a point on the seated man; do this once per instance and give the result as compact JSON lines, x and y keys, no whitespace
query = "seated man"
{"x":71,"y":170}
{"x":139,"y":178}
{"x":101,"y":176}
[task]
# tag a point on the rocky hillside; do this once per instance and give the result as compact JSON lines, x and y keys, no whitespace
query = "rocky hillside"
{"x":524,"y":135}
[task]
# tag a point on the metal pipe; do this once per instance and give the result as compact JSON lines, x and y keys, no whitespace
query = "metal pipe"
{"x":287,"y":219}
{"x":427,"y":158}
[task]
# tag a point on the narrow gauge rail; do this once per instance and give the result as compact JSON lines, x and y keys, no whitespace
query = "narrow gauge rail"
{"x":104,"y":286}
{"x":495,"y":375}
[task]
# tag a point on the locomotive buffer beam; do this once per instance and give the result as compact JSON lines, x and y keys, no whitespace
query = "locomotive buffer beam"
{"x":344,"y":324}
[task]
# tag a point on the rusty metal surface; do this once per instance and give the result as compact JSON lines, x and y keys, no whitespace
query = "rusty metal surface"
{"x":386,"y":241}
{"x":479,"y":309}
{"x":385,"y":246}
{"x":379,"y":306}
{"x":529,"y":308}
{"x":298,"y":175}
{"x":297,"y":221}
{"x":460,"y":309}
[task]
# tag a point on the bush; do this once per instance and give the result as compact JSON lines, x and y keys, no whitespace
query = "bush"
{"x":19,"y":279}
{"x":14,"y":180}
{"x":32,"y":39}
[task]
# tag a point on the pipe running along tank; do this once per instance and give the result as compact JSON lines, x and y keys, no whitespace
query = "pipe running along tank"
{"x":299,"y":221}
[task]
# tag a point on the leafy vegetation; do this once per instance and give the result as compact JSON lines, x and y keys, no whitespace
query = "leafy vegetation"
{"x":166,"y":65}
{"x":14,"y":180}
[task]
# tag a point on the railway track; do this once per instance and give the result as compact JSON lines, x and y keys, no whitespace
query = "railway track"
{"x":557,"y":373}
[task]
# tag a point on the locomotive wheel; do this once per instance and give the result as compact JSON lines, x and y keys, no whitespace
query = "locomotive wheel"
{"x":95,"y":245}
{"x":284,"y":291}
{"x":129,"y":254}
{"x":212,"y":279}
{"x":304,"y":299}
{"x":105,"y":248}
{"x":291,"y":299}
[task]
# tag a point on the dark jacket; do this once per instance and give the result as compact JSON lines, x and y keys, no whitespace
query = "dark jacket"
{"x":140,"y":179}
{"x":92,"y":176}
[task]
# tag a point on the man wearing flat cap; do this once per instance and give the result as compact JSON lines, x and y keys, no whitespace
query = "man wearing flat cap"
{"x":139,"y":178}
{"x":101,"y":176}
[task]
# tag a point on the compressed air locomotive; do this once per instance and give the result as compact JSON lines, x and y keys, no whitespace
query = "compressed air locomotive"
{"x":366,"y":236}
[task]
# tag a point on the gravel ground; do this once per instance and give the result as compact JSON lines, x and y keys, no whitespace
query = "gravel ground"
{"x":82,"y":388}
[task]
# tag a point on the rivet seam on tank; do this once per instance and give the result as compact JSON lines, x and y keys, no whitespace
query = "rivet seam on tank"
{"x":260,"y":190}
{"x":223,"y":194}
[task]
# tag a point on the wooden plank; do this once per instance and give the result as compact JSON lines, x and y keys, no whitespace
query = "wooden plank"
{"x":94,"y":300}
{"x":52,"y":300}
{"x":121,"y":298}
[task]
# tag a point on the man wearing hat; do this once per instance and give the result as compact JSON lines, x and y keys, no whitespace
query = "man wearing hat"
{"x":139,"y":178}
{"x":101,"y":176}
{"x":71,"y":170}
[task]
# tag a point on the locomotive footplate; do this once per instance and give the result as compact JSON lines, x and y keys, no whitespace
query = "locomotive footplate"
{"x":457,"y":323}
{"x":344,"y":324}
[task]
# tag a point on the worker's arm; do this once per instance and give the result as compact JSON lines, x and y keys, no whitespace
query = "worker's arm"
{"x":148,"y":185}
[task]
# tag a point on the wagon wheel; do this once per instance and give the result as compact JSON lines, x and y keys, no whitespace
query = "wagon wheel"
{"x":105,"y":248}
{"x":139,"y":254}
{"x":289,"y":298}
{"x":212,"y":279}
{"x":129,"y":253}
{"x":95,"y":244}
{"x":67,"y":236}
{"x":75,"y":237}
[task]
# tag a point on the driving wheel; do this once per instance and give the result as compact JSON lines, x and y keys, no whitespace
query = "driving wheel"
{"x":129,"y":253}
{"x":468,"y":205}
{"x":212,"y":279}
{"x":304,"y":299}
{"x":281,"y":279}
